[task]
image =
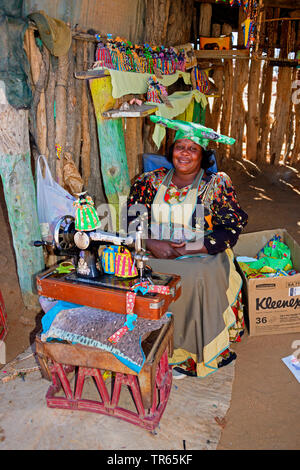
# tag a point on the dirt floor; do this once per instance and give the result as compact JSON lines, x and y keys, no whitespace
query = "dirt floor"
{"x":264,"y":411}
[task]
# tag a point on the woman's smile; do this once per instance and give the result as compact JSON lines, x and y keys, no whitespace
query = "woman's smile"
{"x":187,"y":156}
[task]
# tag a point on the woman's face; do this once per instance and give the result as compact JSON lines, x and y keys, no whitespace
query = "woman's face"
{"x":187,"y":156}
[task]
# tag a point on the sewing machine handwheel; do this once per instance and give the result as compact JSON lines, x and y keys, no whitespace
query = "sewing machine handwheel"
{"x":64,"y":233}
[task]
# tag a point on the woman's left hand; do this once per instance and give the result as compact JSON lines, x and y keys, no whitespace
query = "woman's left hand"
{"x":182,"y":249}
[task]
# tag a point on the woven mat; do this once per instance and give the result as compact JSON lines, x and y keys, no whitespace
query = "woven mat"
{"x":195,"y":413}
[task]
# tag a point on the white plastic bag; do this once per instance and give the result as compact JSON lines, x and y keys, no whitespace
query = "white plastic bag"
{"x":53,"y":201}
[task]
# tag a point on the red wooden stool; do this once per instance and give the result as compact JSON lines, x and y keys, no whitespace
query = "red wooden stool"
{"x":150,"y":388}
{"x":3,"y":319}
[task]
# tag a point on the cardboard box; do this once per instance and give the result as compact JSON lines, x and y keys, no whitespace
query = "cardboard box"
{"x":273,"y":304}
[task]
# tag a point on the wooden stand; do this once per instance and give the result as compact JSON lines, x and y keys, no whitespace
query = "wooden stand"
{"x":150,"y":388}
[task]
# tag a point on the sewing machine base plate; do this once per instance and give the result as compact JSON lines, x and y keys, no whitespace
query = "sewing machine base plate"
{"x":107,"y":280}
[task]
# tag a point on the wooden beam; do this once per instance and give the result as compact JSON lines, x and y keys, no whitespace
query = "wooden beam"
{"x":224,"y":2}
{"x":134,"y":111}
{"x":223,"y":54}
{"x":91,"y":74}
{"x":282,"y":4}
{"x":281,"y":19}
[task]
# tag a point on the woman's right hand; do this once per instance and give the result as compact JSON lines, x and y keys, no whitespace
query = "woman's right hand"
{"x":162,"y":249}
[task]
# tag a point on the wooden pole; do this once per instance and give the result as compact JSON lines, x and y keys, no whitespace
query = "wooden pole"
{"x":252,"y":117}
{"x":281,"y":114}
{"x":290,"y":129}
{"x":240,"y":80}
{"x":227,"y":96}
{"x":95,"y":185}
{"x":296,"y":150}
{"x":266,"y":92}
{"x":78,"y":93}
{"x":282,"y":105}
{"x":205,"y":19}
{"x":20,"y":197}
{"x":49,"y":97}
{"x":39,"y":72}
{"x":71,"y":101}
{"x":61,"y":113}
{"x":134,"y":144}
{"x":86,"y":140}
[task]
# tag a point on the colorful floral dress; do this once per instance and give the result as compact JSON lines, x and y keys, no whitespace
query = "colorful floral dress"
{"x":223,"y":222}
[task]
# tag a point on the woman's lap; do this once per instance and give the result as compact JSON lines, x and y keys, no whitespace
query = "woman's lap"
{"x":199,"y":312}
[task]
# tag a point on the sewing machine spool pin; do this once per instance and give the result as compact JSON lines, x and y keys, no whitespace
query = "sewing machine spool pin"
{"x":140,"y":256}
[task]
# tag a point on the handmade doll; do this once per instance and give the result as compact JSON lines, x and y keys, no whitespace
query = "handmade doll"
{"x":86,"y":218}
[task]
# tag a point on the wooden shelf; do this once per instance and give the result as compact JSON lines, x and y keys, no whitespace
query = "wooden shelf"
{"x":134,"y":111}
{"x":91,"y":74}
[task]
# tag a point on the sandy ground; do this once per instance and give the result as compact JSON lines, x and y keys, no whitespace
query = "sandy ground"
{"x":264,"y":411}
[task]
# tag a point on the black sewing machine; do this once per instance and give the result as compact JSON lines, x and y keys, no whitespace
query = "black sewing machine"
{"x":87,"y":283}
{"x":83,"y":248}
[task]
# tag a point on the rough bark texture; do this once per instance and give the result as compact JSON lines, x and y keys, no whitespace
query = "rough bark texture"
{"x":71,"y":101}
{"x":95,"y":185}
{"x":281,"y":114}
{"x":252,"y":117}
{"x":49,"y":96}
{"x":61,"y":112}
{"x":19,"y":192}
{"x":134,"y":145}
{"x":240,"y":80}
{"x":112,"y":146}
{"x":86,"y":140}
{"x":205,"y":19}
{"x":168,"y":22}
{"x":78,"y":92}
{"x":238,"y":110}
{"x":39,"y":74}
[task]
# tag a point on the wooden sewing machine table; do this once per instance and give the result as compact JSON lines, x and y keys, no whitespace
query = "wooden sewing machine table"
{"x":150,"y":388}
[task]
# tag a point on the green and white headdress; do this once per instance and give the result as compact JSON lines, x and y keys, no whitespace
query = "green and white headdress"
{"x":199,"y":134}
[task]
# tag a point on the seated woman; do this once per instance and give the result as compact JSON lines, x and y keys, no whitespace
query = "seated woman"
{"x":208,"y":314}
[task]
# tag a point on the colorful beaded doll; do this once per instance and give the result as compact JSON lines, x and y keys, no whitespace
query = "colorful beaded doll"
{"x":86,"y":218}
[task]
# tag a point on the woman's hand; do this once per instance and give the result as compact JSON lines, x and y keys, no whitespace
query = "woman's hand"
{"x":163,"y":248}
{"x":187,"y":249}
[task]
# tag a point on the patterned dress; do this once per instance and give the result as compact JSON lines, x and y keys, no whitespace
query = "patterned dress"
{"x":224,"y":218}
{"x":223,"y":222}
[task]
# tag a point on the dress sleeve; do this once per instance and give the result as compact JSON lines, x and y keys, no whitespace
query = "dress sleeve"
{"x":141,"y":193}
{"x":227,"y":217}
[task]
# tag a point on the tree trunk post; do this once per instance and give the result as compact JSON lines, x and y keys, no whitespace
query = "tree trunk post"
{"x":112,"y":145}
{"x":20,"y":197}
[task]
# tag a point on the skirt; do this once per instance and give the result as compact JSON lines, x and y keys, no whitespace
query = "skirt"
{"x":208,"y":315}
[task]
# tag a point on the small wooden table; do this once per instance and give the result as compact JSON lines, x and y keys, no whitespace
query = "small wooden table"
{"x":150,"y":388}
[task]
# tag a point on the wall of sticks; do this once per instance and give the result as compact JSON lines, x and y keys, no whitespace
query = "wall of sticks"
{"x":257,"y":99}
{"x":62,"y":120}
